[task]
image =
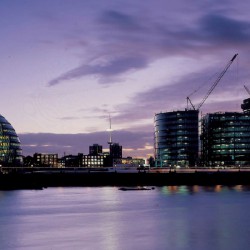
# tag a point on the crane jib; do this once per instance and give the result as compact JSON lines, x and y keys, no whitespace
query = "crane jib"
{"x":234,"y":57}
{"x":214,"y":84}
{"x":217,"y":81}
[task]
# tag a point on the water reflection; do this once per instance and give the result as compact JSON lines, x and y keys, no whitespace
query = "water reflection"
{"x":167,"y":190}
{"x":169,"y":217}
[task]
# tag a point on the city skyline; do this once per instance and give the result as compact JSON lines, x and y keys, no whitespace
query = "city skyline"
{"x":67,"y":65}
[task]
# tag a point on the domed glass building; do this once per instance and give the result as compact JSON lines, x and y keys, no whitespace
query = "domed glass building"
{"x":10,"y":146}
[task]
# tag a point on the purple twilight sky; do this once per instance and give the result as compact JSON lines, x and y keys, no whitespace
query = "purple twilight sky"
{"x":67,"y":64}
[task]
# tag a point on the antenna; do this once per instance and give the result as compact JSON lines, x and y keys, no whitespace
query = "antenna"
{"x":110,"y":132}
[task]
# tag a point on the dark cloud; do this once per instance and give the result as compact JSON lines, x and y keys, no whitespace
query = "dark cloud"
{"x":221,"y":28}
{"x":120,"y":20}
{"x":127,"y":41}
{"x":115,"y":66}
{"x":211,"y":33}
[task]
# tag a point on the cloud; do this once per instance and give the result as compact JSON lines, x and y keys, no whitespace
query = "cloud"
{"x":120,"y":20}
{"x":69,"y":118}
{"x":124,"y":42}
{"x":79,"y":143}
{"x":219,"y":28}
{"x":113,"y":67}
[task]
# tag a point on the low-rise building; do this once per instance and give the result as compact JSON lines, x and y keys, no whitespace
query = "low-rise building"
{"x":45,"y":160}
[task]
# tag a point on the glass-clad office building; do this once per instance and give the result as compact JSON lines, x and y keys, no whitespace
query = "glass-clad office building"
{"x":225,"y":139}
{"x":176,"y":138}
{"x":10,"y":146}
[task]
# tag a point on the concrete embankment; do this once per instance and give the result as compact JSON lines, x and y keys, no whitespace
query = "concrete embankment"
{"x":36,"y":180}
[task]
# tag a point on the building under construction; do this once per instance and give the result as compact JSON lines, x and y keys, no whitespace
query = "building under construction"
{"x":225,"y":138}
{"x":176,"y":135}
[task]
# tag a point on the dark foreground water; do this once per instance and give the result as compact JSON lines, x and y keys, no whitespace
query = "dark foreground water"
{"x":107,"y":218}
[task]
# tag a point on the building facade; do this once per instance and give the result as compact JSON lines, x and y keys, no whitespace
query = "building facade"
{"x":95,"y":149}
{"x":225,"y":139}
{"x":93,"y":161}
{"x":176,"y":139}
{"x":115,"y":151}
{"x":45,"y":160}
{"x":70,"y":161}
{"x":10,"y":146}
{"x":136,"y":162}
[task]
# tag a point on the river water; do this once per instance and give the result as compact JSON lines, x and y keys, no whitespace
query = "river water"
{"x":103,"y":218}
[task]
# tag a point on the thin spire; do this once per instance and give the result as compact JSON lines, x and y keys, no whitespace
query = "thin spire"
{"x":110,"y":132}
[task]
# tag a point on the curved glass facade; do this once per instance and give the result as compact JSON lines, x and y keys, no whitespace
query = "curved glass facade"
{"x":176,"y":138}
{"x":10,"y":146}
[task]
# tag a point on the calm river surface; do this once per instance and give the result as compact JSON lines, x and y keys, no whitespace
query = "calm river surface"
{"x":107,"y":218}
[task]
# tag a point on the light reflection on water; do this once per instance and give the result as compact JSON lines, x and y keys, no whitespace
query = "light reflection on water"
{"x":195,"y":189}
{"x":170,"y":217}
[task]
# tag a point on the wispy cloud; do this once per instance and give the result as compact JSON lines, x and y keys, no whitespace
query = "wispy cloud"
{"x":69,"y":118}
{"x":113,"y":67}
{"x":127,"y":42}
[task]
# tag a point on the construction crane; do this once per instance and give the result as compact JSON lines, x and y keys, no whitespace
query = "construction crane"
{"x":214,"y":84}
{"x":247,"y":89}
{"x":189,"y":101}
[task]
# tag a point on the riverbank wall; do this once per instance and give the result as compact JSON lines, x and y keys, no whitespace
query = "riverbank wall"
{"x":39,"y":180}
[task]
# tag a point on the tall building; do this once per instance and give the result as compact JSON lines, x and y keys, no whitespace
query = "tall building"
{"x":115,"y":151}
{"x":95,"y":149}
{"x":115,"y":154}
{"x":225,"y":139}
{"x":176,"y":139}
{"x":10,"y":146}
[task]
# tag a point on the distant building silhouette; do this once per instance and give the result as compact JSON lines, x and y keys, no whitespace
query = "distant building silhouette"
{"x":45,"y":160}
{"x":116,"y":151}
{"x":95,"y":149}
{"x":69,"y":161}
{"x":115,"y":154}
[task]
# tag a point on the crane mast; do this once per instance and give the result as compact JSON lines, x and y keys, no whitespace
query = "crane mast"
{"x":189,"y":101}
{"x":247,"y":89}
{"x":216,"y":81}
